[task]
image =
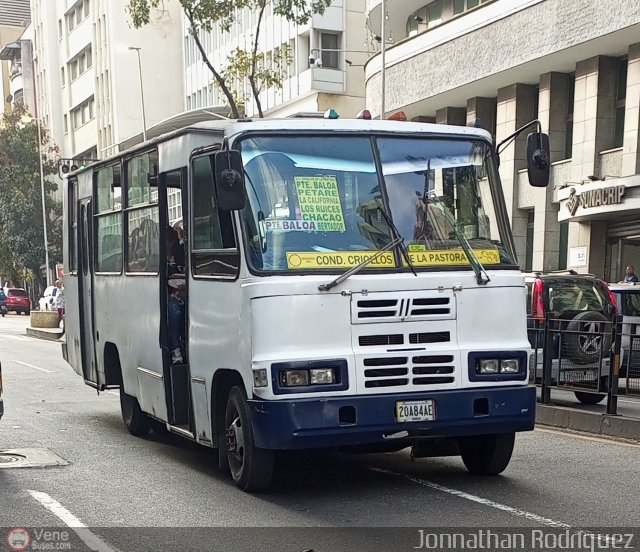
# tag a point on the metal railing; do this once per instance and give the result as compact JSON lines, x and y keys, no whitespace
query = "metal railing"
{"x":594,"y":358}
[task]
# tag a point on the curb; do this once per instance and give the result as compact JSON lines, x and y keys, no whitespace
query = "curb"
{"x":588,"y":422}
{"x":50,"y":334}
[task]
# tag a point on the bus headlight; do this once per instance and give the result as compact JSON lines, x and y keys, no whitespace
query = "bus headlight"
{"x":321,"y":376}
{"x":312,"y":376}
{"x":488,"y":366}
{"x":295,"y":378}
{"x":509,"y":366}
{"x":309,"y":376}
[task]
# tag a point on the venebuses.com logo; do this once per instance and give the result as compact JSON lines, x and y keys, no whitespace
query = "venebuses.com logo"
{"x":18,"y":539}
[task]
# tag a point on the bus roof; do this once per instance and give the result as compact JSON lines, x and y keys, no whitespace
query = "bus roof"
{"x":234,"y":127}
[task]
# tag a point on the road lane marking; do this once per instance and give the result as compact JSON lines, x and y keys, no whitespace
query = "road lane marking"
{"x":611,"y":441}
{"x":32,"y":366}
{"x":478,"y":499}
{"x":90,"y":539}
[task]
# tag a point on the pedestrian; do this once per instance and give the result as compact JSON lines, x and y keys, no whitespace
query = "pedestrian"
{"x":59,"y":302}
{"x":631,"y":277}
{"x":176,"y":296}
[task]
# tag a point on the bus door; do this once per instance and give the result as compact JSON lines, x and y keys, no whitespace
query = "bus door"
{"x":85,"y":294}
{"x":176,"y":374}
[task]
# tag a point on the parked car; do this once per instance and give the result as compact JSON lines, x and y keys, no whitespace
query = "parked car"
{"x":47,"y":301}
{"x":18,"y":300}
{"x":628,"y":303}
{"x":582,"y":309}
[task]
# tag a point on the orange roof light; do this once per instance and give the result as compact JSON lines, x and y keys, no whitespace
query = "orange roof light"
{"x":399,"y":116}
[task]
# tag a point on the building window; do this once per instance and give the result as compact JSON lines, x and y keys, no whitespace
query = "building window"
{"x":621,"y":96}
{"x":62,"y":76}
{"x":77,"y":15}
{"x":330,"y":44}
{"x":434,"y":14}
{"x":80,"y":64}
{"x":83,"y":113}
{"x":66,"y":123}
{"x":568,"y":125}
{"x":530,"y":233}
{"x":564,"y":245}
{"x":59,"y":28}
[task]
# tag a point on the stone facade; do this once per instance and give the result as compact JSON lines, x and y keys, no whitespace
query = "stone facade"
{"x":508,"y":62}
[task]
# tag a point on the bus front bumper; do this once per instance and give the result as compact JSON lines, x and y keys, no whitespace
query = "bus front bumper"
{"x":360,"y":420}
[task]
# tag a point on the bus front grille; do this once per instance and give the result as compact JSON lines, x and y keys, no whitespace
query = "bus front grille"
{"x":398,"y":371}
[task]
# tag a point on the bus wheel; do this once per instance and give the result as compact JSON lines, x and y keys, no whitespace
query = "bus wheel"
{"x":251,"y":467}
{"x":136,"y":421}
{"x":487,"y":454}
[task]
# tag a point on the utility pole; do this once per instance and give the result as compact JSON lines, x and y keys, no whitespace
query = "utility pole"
{"x":42,"y":192}
{"x":383,"y":33}
{"x":144,"y":118}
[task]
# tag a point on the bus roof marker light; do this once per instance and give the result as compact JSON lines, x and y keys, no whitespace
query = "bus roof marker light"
{"x":364,"y":114}
{"x":331,"y":114}
{"x":399,"y":116}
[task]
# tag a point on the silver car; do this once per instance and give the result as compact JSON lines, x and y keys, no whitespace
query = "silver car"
{"x":628,"y":303}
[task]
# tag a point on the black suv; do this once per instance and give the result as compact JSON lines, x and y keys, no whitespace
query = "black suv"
{"x":578,"y":303}
{"x":581,"y":311}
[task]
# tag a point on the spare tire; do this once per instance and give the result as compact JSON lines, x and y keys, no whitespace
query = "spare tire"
{"x":588,"y":336}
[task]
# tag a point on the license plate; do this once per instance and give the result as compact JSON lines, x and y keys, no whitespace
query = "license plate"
{"x":415,"y":411}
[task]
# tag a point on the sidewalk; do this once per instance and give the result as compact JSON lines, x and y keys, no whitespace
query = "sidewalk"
{"x":50,"y":334}
{"x":566,"y":412}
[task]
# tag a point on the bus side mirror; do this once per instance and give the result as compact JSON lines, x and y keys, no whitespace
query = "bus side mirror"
{"x":229,"y":180}
{"x":538,"y":160}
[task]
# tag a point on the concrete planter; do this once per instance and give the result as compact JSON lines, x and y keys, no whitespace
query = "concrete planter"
{"x":44,"y":319}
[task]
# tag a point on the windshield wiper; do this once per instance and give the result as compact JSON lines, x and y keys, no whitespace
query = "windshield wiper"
{"x":396,"y":233}
{"x":481,"y":274}
{"x":333,"y":283}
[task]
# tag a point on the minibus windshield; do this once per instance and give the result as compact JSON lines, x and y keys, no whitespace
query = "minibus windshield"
{"x":323,"y":203}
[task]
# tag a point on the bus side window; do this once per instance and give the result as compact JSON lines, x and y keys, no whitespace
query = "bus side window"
{"x":214,"y":246}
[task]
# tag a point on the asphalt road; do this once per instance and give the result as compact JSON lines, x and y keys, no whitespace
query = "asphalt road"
{"x":163,"y":493}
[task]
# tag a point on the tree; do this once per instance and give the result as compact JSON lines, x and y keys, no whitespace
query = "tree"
{"x":21,"y":230}
{"x":241,"y":66}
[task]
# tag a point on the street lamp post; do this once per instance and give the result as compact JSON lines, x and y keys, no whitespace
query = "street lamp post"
{"x":42,"y":192}
{"x":44,"y":209}
{"x":383,"y":33}
{"x":144,"y":118}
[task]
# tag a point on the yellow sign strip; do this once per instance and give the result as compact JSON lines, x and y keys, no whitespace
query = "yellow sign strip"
{"x":306,"y":260}
{"x":338,"y":259}
{"x":455,"y":257}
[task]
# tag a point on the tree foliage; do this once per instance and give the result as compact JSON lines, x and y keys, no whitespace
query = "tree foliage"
{"x":21,"y":230}
{"x":251,"y":67}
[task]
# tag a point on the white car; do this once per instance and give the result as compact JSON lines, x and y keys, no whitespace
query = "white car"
{"x":628,"y":303}
{"x":47,"y":301}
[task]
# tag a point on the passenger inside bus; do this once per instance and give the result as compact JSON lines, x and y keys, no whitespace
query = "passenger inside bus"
{"x":176,"y":297}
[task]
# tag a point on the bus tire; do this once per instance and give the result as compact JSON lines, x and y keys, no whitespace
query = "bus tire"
{"x":487,"y":454}
{"x":251,"y":467}
{"x":136,"y":421}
